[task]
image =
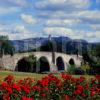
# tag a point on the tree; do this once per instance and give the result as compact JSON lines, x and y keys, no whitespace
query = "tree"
{"x":96,"y":51}
{"x":92,"y":56}
{"x":6,"y":46}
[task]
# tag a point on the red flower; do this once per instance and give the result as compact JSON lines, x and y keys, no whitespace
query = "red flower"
{"x":43,"y":82}
{"x":81,"y":79}
{"x":36,"y":88}
{"x":17,"y":87}
{"x":26,"y":89}
{"x":98,"y":77}
{"x":43,"y":95}
{"x":9,"y":78}
{"x":6,"y":97}
{"x":26,"y":98}
{"x":49,"y":85}
{"x":65,"y":76}
{"x":20,"y":81}
{"x":46,"y":89}
{"x":84,"y":95}
{"x":80,"y":87}
{"x":9,"y":89}
{"x":93,"y":93}
{"x":67,"y":97}
{"x":4,"y":84}
{"x":87,"y":86}
{"x":77,"y":92}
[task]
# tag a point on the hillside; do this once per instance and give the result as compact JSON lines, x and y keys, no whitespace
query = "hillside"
{"x":60,"y":44}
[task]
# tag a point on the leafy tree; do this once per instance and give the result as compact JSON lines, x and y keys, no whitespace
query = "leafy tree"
{"x":93,"y":63}
{"x":96,"y":51}
{"x":5,"y":46}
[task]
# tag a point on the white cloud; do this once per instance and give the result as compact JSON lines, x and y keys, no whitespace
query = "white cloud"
{"x":28,"y":19}
{"x":18,"y":36}
{"x":61,"y":18}
{"x":90,"y":14}
{"x":2,"y":27}
{"x":62,"y":22}
{"x":63,"y":4}
{"x":93,"y":36}
{"x":21,"y":29}
{"x":7,"y":10}
{"x":58,"y":31}
{"x":19,"y":2}
{"x":90,"y":36}
{"x":73,"y":34}
{"x":95,"y":26}
{"x":97,"y":34}
{"x":57,"y":1}
{"x":18,"y":32}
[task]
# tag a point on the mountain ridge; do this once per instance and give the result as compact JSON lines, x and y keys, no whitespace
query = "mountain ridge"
{"x":30,"y":44}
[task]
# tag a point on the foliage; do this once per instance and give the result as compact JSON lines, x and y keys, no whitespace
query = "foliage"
{"x":51,"y":87}
{"x":71,"y":69}
{"x":45,"y":47}
{"x":5,"y":46}
{"x":96,"y":51}
{"x":93,"y":59}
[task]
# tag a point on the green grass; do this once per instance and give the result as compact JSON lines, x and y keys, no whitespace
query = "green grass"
{"x":20,"y":75}
{"x":36,"y":76}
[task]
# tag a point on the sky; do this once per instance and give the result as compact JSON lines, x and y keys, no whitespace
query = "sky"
{"x":77,"y":19}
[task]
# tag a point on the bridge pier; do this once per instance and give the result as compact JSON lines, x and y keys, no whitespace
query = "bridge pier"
{"x":53,"y":67}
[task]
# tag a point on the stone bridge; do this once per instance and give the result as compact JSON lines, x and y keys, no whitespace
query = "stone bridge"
{"x":60,"y":59}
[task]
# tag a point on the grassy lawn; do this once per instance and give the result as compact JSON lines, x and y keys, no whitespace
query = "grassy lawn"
{"x":22,"y":75}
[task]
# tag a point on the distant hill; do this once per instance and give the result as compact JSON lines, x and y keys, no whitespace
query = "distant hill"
{"x":61,"y":44}
{"x":28,"y":44}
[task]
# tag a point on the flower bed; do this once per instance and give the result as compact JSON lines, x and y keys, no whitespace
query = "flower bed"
{"x":51,"y":88}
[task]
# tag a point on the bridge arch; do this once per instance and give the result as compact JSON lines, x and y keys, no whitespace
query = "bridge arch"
{"x":60,"y":63}
{"x":43,"y":64}
{"x":23,"y":65}
{"x":71,"y":61}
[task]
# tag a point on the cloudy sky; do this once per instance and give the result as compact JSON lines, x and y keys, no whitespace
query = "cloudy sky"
{"x":77,"y":19}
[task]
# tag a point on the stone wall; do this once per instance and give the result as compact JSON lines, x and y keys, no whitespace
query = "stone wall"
{"x":7,"y":62}
{"x":1,"y":63}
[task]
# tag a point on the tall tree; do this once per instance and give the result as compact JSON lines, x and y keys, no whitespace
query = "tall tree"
{"x":96,"y":51}
{"x":6,"y":46}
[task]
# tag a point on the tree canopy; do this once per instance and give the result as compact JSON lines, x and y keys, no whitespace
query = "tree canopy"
{"x":96,"y":51}
{"x":6,"y":47}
